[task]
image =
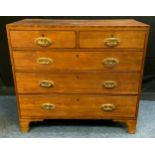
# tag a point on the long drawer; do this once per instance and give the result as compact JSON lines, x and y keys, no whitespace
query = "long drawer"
{"x":112,"y":39}
{"x":53,"y":60}
{"x":96,"y":82}
{"x":42,"y":39}
{"x":80,"y":106}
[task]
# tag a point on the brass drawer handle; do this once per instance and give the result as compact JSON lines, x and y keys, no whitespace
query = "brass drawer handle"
{"x":44,"y":61}
{"x":112,"y":42}
{"x":48,"y":106}
{"x":110,"y":62}
{"x":43,"y":41}
{"x":46,"y":83}
{"x":108,"y":107}
{"x":109,"y":84}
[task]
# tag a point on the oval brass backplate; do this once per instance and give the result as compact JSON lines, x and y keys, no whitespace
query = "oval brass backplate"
{"x":48,"y":106}
{"x":112,"y":42}
{"x":46,"y":83}
{"x":109,"y":84}
{"x":44,"y":61}
{"x":110,"y":62}
{"x":108,"y":107}
{"x":43,"y":41}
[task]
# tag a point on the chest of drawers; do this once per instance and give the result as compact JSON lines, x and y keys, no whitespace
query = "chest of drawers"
{"x":77,"y":69}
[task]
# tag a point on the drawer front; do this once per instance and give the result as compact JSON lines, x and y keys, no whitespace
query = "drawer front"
{"x":93,"y":82}
{"x":80,"y":106}
{"x":112,"y":39}
{"x":42,"y":39}
{"x":105,"y":61}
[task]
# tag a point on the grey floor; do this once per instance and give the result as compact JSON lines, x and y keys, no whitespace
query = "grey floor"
{"x":72,"y":128}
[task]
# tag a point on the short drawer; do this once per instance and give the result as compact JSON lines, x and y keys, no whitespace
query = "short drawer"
{"x":42,"y":39}
{"x":93,"y":82}
{"x":112,"y":39}
{"x":104,"y":61}
{"x":80,"y":106}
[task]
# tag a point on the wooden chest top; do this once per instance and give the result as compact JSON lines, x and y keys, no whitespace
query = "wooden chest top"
{"x":77,"y":23}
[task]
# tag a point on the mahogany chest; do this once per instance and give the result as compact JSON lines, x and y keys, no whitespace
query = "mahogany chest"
{"x":77,"y":69}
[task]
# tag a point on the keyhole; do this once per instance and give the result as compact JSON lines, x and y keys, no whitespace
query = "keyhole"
{"x":77,"y":99}
{"x":77,"y":55}
{"x":77,"y":77}
{"x":43,"y":35}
